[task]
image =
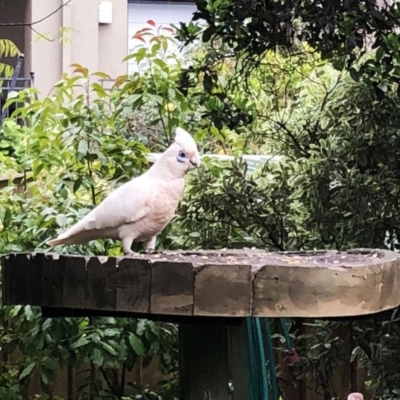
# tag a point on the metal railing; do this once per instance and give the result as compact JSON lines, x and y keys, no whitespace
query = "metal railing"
{"x":13,"y":84}
{"x":107,"y":83}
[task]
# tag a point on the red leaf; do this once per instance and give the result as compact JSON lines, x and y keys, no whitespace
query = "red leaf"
{"x":169,"y":30}
{"x":139,"y":37}
{"x":144,"y":30}
{"x":151,"y":22}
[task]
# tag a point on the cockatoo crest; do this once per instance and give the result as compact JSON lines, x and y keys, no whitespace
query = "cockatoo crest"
{"x":185,"y":140}
{"x":180,"y":157}
{"x":355,"y":396}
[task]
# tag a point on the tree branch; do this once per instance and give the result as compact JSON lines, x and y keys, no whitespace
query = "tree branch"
{"x":13,"y":24}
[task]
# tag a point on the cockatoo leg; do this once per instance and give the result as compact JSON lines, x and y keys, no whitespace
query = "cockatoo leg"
{"x":150,"y":245}
{"x":126,"y":246}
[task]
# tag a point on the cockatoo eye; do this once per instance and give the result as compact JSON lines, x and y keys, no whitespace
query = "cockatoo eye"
{"x":181,"y":157}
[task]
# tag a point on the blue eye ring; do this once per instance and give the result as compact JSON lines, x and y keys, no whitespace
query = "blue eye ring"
{"x":181,"y":156}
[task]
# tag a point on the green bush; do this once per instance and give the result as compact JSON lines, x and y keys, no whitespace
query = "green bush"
{"x":336,"y":185}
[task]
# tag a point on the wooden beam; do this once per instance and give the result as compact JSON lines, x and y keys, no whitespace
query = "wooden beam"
{"x":172,"y":288}
{"x":223,"y":290}
{"x":133,"y":285}
{"x":350,"y":284}
{"x":101,"y":284}
{"x":74,"y":282}
{"x":225,"y":283}
{"x":50,"y":273}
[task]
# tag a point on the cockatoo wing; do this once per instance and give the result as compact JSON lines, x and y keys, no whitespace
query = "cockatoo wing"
{"x":126,"y":204}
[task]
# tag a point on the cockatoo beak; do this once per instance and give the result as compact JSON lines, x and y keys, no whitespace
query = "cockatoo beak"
{"x":195,"y":161}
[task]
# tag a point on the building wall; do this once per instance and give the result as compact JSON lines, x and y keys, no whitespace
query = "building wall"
{"x":98,"y":47}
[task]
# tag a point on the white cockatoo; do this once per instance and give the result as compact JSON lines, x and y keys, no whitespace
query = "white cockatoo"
{"x":355,"y":396}
{"x":140,"y":209}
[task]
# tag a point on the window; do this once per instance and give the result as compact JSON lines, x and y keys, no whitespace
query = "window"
{"x":161,"y":12}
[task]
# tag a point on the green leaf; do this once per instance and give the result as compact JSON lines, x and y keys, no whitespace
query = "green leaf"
{"x":37,"y":167}
{"x":61,"y":219}
{"x":99,"y":89}
{"x":111,"y":332}
{"x":27,"y":371}
{"x":207,"y":83}
{"x":47,"y":376}
{"x":47,"y":323}
{"x":63,"y":193}
{"x":141,"y":54}
{"x":14,"y":311}
{"x":83,"y":147}
{"x":355,"y":75}
{"x":28,"y":313}
{"x":161,"y":63}
{"x":136,"y":344}
{"x":8,"y":48}
{"x":208,"y":33}
{"x":195,"y":234}
{"x":97,"y":357}
{"x":129,"y":57}
{"x":379,"y":53}
{"x":377,"y":14}
{"x":141,"y":326}
{"x":49,"y":363}
{"x":82,"y":341}
{"x":109,"y":348}
{"x":324,"y":122}
{"x":95,"y":337}
{"x":77,"y":184}
{"x":156,"y":48}
{"x":156,"y":98}
{"x":102,"y":75}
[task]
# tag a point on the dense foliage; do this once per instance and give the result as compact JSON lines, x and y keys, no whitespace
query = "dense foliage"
{"x":275,"y":86}
{"x":7,"y":49}
{"x":342,"y":32}
{"x":317,"y":84}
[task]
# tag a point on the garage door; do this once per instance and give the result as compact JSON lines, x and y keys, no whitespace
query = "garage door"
{"x":161,"y":12}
